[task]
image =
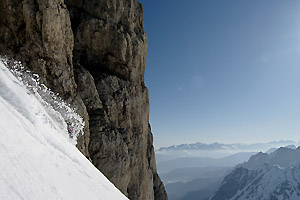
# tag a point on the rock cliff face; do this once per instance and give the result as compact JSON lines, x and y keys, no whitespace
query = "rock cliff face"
{"x":93,"y":53}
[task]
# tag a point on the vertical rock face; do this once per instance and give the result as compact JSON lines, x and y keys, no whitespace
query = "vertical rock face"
{"x":40,"y":34}
{"x":93,"y":53}
{"x":109,"y":37}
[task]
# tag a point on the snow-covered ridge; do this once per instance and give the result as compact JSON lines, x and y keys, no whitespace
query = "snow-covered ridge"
{"x":216,"y":150}
{"x":38,"y":161}
{"x":221,"y":146}
{"x":282,"y":157}
{"x":264,"y":176}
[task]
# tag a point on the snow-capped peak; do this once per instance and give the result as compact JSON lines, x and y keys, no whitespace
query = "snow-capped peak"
{"x":283,"y":157}
{"x":265,"y":176}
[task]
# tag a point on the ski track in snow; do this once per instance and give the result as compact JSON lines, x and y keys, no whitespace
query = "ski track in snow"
{"x":37,"y":160}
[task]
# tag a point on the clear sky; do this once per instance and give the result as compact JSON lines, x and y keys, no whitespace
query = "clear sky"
{"x":223,"y":70}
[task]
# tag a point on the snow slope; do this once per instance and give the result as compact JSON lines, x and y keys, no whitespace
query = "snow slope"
{"x":38,"y":161}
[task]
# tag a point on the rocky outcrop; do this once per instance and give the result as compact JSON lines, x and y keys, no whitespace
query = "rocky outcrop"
{"x":93,"y":53}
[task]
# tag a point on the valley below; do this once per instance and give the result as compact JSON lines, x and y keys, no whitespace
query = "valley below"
{"x":190,"y":175}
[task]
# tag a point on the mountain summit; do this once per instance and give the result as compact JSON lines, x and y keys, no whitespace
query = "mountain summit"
{"x":265,"y":176}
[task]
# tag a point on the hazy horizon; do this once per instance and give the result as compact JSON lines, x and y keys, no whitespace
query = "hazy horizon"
{"x":244,"y":143}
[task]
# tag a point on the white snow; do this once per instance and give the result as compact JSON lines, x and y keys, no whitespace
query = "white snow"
{"x":268,"y":176}
{"x":37,"y":159}
{"x":270,"y":183}
{"x":283,"y":157}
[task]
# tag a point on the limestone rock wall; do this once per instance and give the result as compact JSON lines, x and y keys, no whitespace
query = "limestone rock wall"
{"x":93,"y":53}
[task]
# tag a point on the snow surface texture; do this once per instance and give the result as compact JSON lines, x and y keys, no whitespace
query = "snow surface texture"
{"x":38,"y":161}
{"x":58,"y":110}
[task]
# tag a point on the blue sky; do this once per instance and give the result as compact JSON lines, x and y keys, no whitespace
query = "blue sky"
{"x":223,"y":71}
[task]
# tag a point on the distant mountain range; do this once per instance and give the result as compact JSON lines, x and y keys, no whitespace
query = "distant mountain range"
{"x":216,"y":150}
{"x":265,"y":176}
{"x":221,"y":146}
{"x":197,"y":178}
{"x":195,"y":171}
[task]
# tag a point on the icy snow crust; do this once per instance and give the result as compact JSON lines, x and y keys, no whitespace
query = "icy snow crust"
{"x":37,"y":159}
